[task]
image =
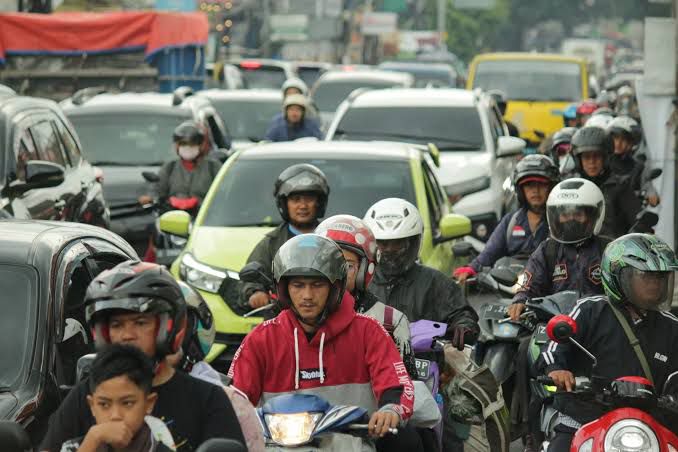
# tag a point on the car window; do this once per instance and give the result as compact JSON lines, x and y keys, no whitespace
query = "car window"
{"x":434,"y":204}
{"x":355,"y":184}
{"x":328,"y":95}
{"x":69,"y":144}
{"x":24,"y":150}
{"x":247,"y":118}
{"x":47,"y":142}
{"x":257,"y":76}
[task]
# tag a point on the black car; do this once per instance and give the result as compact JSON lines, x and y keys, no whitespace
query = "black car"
{"x":43,"y":173}
{"x":45,"y":268}
{"x":129,"y":133}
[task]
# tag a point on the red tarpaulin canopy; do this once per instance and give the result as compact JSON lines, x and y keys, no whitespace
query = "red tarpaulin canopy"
{"x":80,"y":33}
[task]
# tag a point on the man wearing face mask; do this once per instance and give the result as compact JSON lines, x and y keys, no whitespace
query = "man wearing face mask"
{"x":189,"y":178}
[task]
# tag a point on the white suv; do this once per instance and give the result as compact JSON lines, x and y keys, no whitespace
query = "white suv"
{"x":477,"y":155}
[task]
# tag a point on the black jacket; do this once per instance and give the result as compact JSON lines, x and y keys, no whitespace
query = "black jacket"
{"x":621,"y":204}
{"x":423,"y":293}
{"x":264,"y":253}
{"x":599,"y":331}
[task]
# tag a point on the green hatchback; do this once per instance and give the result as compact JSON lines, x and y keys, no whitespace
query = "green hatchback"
{"x":240,"y":209}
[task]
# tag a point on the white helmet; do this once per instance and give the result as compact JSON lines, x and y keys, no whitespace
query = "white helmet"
{"x":394,"y":218}
{"x":575,"y":210}
{"x":601,"y":120}
{"x":297,"y":83}
{"x":626,"y":125}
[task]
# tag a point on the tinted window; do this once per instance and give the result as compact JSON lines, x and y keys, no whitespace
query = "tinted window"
{"x":247,"y":118}
{"x":531,"y":80}
{"x":309,"y":74}
{"x":451,"y":128}
{"x":69,"y":144}
{"x":47,"y":142}
{"x":264,"y":77}
{"x":425,"y":75}
{"x":328,"y":95}
{"x":355,"y":185}
{"x":24,"y":151}
{"x":127,"y":138}
{"x":18,"y":286}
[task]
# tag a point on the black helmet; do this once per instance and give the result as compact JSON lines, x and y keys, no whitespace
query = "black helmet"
{"x":563,"y":136}
{"x":137,"y":287}
{"x":301,"y":178}
{"x":311,"y":255}
{"x":589,"y":139}
{"x":189,"y":132}
{"x":534,"y":167}
{"x":200,"y":329}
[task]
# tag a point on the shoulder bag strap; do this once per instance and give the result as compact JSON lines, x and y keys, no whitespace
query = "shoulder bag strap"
{"x":633,"y":340}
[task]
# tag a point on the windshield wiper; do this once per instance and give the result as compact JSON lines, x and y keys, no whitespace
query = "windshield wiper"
{"x":458,"y":146}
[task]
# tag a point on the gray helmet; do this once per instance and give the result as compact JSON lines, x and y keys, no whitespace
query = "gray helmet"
{"x":312,"y":256}
{"x":301,"y":178}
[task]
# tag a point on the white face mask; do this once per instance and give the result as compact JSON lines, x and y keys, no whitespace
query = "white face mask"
{"x":189,"y":153}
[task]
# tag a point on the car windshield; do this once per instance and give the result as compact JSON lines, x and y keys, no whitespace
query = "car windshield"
{"x":450,"y":128}
{"x":425,"y":77}
{"x":546,"y":81}
{"x":125,"y":138}
{"x":355,"y":184}
{"x":271,"y":77}
{"x":309,"y":74}
{"x":328,"y":95}
{"x":247,"y":119}
{"x":19,"y":288}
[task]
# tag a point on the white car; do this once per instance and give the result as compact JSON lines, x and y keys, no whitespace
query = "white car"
{"x":477,"y":155}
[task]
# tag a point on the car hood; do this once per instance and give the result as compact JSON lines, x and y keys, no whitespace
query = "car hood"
{"x":458,"y":166}
{"x":225,"y":247}
{"x":124,"y":184}
{"x":237,"y":145}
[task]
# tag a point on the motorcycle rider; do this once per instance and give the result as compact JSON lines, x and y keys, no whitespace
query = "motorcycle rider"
{"x":318,"y":344}
{"x":570,"y":258}
{"x":301,"y":192}
{"x":560,"y":151}
{"x":140,"y":304}
{"x":294,"y":123}
{"x":189,"y":178}
{"x":570,"y":116}
{"x":521,"y":231}
{"x":626,"y":103}
{"x":584,"y":111}
{"x":637,"y":274}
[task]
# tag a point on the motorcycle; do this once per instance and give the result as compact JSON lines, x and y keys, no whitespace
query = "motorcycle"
{"x":231,"y":291}
{"x":310,"y":423}
{"x":634,"y":409}
{"x":477,"y":399}
{"x":645,"y":219}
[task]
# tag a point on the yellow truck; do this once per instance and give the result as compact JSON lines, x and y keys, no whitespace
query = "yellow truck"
{"x":538,"y":87}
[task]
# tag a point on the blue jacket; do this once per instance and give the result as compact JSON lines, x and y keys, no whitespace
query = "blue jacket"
{"x":518,"y":242}
{"x":279,"y":130}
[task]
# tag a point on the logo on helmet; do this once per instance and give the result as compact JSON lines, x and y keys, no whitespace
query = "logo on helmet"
{"x":343,"y":227}
{"x":568,"y":195}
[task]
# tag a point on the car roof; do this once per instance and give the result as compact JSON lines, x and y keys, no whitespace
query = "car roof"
{"x":417,"y":66}
{"x":158,"y":103}
{"x":410,"y":97}
{"x":371,"y":75}
{"x":313,"y":149}
{"x":528,"y":56}
{"x":242,"y":94}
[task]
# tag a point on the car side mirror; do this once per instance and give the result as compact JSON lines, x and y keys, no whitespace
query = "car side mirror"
{"x":176,"y":222}
{"x":510,"y":146}
{"x":462,"y":249}
{"x":561,"y":328}
{"x":453,"y":226}
{"x":39,"y":174}
{"x":150,"y":176}
{"x":13,"y":437}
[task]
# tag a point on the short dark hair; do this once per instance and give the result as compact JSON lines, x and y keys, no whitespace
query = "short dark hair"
{"x":116,"y":360}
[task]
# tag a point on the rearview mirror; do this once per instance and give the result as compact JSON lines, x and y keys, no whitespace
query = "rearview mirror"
{"x":453,"y":226}
{"x":175,"y":222}
{"x":561,"y":328}
{"x":39,"y":174}
{"x":509,"y":146}
{"x":504,"y":276}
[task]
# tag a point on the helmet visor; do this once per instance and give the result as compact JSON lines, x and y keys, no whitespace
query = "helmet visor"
{"x":140,"y":305}
{"x":304,"y":182}
{"x":572,"y":223}
{"x":310,"y":257}
{"x":648,"y":290}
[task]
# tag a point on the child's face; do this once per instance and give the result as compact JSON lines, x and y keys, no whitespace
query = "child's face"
{"x":120,"y":399}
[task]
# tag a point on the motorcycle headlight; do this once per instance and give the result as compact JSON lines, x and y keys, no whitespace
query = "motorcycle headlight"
{"x":587,"y":446}
{"x":456,"y":191}
{"x":292,"y":429}
{"x":203,"y":276}
{"x":631,"y":435}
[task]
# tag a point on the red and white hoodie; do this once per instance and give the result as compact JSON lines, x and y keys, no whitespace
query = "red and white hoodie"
{"x":351,"y":360}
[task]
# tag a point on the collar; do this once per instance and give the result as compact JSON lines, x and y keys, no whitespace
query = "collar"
{"x":294,"y":231}
{"x":188,"y":166}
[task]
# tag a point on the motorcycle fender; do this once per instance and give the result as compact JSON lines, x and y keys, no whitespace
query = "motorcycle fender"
{"x":500,"y":359}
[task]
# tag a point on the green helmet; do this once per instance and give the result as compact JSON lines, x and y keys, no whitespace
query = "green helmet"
{"x":634,"y":257}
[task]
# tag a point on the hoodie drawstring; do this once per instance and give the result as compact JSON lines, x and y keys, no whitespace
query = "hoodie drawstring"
{"x":296,"y":359}
{"x":320,"y":358}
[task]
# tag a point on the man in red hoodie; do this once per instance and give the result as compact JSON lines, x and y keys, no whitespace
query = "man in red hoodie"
{"x":320,"y":345}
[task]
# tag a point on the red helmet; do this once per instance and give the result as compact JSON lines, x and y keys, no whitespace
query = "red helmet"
{"x":587,"y":107}
{"x":353,"y":234}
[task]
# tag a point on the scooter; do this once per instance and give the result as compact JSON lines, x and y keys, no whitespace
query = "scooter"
{"x":295,"y":420}
{"x":231,"y":291}
{"x":631,"y":424}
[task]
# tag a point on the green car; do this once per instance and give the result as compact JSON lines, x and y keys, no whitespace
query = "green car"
{"x":240,"y":209}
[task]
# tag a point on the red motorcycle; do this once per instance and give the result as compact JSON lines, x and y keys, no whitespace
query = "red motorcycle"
{"x":632,"y":422}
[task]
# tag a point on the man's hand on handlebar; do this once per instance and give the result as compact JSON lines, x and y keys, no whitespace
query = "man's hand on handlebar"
{"x":463,"y":273}
{"x":258,"y":299}
{"x":145,"y":199}
{"x":381,"y":422}
{"x":515,"y":310}
{"x":563,"y":379}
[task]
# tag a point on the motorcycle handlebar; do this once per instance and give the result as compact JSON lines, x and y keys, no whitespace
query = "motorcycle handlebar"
{"x":544,"y":380}
{"x":393,"y":431}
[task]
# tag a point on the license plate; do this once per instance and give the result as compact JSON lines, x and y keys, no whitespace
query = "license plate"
{"x":423,"y":368}
{"x":495,"y":311}
{"x":541,"y":337}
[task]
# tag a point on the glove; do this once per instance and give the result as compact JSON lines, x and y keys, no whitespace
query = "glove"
{"x":468,"y":271}
{"x":459,"y":336}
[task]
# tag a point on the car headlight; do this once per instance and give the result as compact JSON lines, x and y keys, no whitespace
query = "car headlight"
{"x":292,"y":429}
{"x":631,"y":435}
{"x":203,"y":276}
{"x":456,"y":191}
{"x":587,"y":446}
